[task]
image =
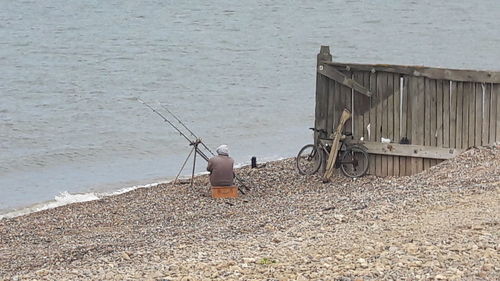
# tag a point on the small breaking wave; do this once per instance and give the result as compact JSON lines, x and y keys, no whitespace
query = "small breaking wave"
{"x":65,"y":198}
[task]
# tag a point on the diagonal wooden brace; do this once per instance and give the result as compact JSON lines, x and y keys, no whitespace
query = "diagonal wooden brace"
{"x":332,"y":73}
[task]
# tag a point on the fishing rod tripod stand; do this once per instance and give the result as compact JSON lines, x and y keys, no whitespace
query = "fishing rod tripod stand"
{"x":196,"y":151}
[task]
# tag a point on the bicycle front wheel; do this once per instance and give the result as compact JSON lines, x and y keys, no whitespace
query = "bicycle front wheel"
{"x":308,"y":160}
{"x":354,"y":162}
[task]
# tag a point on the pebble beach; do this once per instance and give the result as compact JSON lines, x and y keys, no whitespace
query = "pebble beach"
{"x":441,"y":224}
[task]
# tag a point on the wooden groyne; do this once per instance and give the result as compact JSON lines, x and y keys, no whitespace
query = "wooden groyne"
{"x":410,"y":117}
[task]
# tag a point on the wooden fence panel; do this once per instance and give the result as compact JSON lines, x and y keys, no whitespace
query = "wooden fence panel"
{"x":440,"y":109}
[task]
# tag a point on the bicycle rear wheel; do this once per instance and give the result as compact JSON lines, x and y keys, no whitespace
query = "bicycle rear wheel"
{"x":354,"y":162}
{"x":308,"y":160}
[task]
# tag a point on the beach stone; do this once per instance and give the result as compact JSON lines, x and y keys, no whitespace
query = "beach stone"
{"x":487,"y":267}
{"x":301,"y":277}
{"x":125,"y":256}
{"x":440,"y":277}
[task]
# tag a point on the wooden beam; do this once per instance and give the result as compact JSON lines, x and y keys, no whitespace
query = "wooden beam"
{"x":412,"y":150}
{"x":332,"y":73}
{"x":321,"y":106}
{"x":464,"y":75}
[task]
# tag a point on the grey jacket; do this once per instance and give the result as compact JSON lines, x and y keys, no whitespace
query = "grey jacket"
{"x":221,"y":170}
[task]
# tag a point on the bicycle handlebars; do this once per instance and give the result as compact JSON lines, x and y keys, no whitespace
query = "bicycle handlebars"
{"x":318,"y":130}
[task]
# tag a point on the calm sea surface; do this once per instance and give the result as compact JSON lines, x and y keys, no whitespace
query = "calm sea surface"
{"x":236,"y":72}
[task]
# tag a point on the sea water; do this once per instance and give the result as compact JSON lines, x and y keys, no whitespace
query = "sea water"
{"x":240,"y":73}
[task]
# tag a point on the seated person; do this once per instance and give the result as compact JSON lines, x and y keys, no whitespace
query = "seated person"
{"x":221,"y":167}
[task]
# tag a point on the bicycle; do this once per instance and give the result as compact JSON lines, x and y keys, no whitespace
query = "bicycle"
{"x":352,"y":158}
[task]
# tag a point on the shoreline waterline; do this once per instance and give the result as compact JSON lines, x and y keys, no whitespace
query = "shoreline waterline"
{"x":66,"y":198}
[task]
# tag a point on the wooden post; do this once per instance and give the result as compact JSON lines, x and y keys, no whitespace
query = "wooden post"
{"x":321,"y":96}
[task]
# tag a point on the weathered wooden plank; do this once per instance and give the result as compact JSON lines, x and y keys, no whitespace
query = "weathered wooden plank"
{"x":403,"y":121}
{"x":496,"y":92}
{"x":389,"y":116}
{"x":433,"y":112}
{"x":428,"y":72}
{"x":396,"y":120}
{"x":346,"y":93}
{"x":486,"y":94}
{"x":412,"y":150}
{"x":330,"y":119}
{"x":404,"y":107}
{"x":417,"y":94}
{"x":381,"y":120}
{"x":439,"y":113}
{"x":373,"y":120}
{"x":433,"y":101}
{"x":338,"y":105}
{"x":421,"y":115}
{"x":427,"y":118}
{"x":449,"y":115}
{"x":408,"y":120}
{"x":469,"y":90}
{"x":478,"y":130}
{"x":334,"y":74}
{"x":465,"y":115}
{"x":366,"y":106}
{"x":493,"y":114}
{"x":460,"y":114}
{"x":357,"y":113}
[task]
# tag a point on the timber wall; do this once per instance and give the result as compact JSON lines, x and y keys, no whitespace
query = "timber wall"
{"x":441,"y":112}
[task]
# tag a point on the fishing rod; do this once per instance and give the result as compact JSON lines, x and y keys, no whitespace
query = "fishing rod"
{"x":165,"y":119}
{"x":194,"y":143}
{"x":185,"y":127}
{"x":202,"y":154}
